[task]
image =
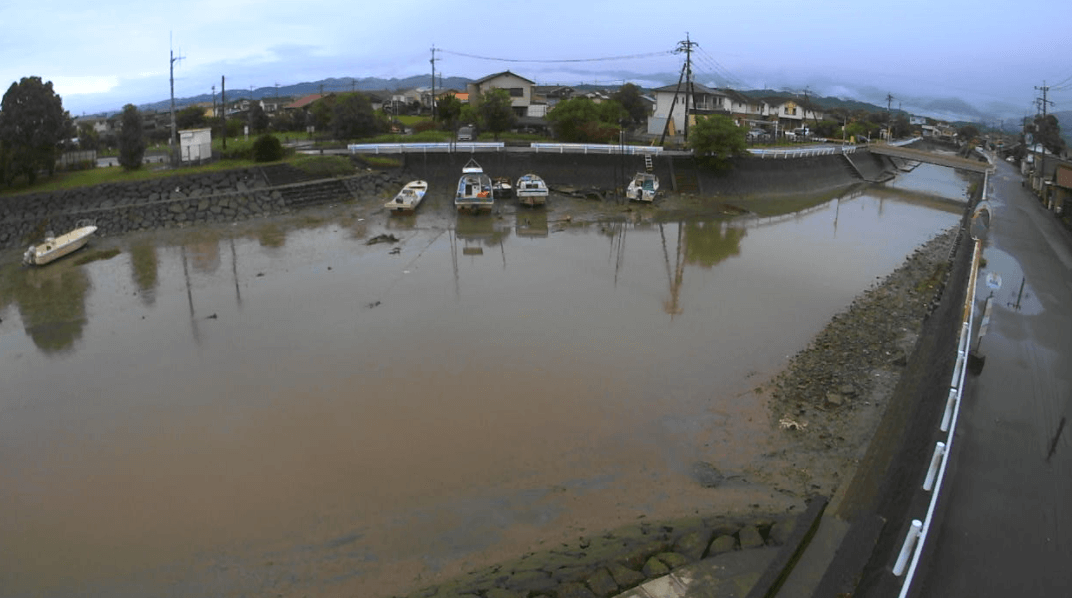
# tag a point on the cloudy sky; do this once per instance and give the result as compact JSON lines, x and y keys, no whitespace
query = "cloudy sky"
{"x":104,"y":54}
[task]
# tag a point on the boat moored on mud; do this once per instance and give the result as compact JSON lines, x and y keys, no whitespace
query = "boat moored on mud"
{"x":53,"y":248}
{"x":409,"y":197}
{"x":531,"y":190}
{"x":474,"y":189}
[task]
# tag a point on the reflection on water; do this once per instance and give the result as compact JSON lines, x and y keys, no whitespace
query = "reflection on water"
{"x":709,"y":242}
{"x":51,"y":303}
{"x":234,"y":414}
{"x":143,"y":270}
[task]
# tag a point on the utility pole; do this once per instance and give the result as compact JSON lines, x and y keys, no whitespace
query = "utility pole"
{"x":213,"y":101}
{"x":690,"y":93}
{"x":1043,"y":102}
{"x":433,"y":84}
{"x":889,"y":118}
{"x":174,"y":129}
{"x":223,"y":112}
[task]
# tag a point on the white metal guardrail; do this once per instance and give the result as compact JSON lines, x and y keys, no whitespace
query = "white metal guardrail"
{"x":420,"y":148}
{"x":914,"y":540}
{"x":594,"y":148}
{"x":803,"y":152}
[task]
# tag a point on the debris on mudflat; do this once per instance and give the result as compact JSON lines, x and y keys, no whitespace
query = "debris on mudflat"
{"x":396,"y":251}
{"x":382,"y":239}
{"x":791,"y":424}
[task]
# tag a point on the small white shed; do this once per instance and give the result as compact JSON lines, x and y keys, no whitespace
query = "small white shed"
{"x":195,"y":144}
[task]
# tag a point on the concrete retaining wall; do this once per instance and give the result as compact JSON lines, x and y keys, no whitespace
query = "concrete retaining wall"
{"x":173,"y":202}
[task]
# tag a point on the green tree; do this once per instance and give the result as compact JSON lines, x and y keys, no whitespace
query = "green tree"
{"x":258,"y":118}
{"x":827,"y":128}
{"x":901,"y":127}
{"x":1047,"y":131}
{"x":32,"y":125}
{"x":580,"y":120}
{"x":267,"y":148}
{"x":967,"y":133}
{"x":353,"y":117}
{"x":628,"y":96}
{"x":321,"y":111}
{"x":496,"y":111}
{"x":191,"y":117}
{"x":88,"y":138}
{"x":131,"y":138}
{"x":717,"y":140}
{"x":448,"y":109}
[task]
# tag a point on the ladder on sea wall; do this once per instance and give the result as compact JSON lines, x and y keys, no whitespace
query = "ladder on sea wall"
{"x":648,"y":166}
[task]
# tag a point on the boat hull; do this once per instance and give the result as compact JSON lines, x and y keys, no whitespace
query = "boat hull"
{"x":408,"y":198}
{"x":53,"y":249}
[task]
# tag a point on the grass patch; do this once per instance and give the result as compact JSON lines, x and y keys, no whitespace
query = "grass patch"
{"x":381,"y":161}
{"x":324,"y":166}
{"x":422,"y":137}
{"x":409,"y":119}
{"x":95,"y":256}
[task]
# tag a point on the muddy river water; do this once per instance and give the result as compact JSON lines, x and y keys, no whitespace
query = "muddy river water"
{"x":282,"y":408}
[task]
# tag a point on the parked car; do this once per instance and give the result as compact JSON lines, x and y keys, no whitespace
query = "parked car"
{"x":757,"y":135}
{"x":466,"y":133}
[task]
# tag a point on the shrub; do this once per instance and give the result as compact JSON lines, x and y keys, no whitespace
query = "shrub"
{"x":267,"y":148}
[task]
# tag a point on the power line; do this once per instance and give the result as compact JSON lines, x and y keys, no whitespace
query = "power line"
{"x":561,"y":60}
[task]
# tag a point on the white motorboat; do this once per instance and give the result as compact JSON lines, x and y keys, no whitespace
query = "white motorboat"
{"x":409,"y":197}
{"x":474,"y":189}
{"x":54,"y":248}
{"x":643,"y":187}
{"x":531,"y":190}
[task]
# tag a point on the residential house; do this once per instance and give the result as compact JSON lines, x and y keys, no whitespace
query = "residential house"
{"x":1062,"y":183}
{"x":277,"y":104}
{"x":519,"y":88}
{"x":702,"y":101}
{"x":552,"y":94}
{"x":792,"y":113}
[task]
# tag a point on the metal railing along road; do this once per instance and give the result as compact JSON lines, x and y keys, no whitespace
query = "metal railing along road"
{"x":420,"y":148}
{"x":594,"y":148}
{"x":803,"y":152}
{"x":912,"y":547}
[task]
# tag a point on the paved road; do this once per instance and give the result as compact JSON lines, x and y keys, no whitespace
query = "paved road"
{"x":1007,"y":525}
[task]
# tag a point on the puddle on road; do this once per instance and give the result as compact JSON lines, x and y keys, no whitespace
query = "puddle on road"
{"x":289,"y":410}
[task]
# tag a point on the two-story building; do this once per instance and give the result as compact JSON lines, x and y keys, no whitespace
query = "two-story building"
{"x":702,"y":100}
{"x":792,"y":113}
{"x":519,"y":88}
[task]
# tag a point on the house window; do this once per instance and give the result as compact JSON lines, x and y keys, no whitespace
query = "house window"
{"x":516,"y":92}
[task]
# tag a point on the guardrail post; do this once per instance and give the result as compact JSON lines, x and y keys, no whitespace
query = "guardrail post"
{"x":908,"y":547}
{"x":936,"y":460}
{"x":950,"y":403}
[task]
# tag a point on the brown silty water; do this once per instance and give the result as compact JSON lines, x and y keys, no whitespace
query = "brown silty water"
{"x":282,"y":408}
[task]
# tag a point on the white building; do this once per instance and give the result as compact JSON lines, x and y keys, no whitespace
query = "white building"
{"x":195,"y":145}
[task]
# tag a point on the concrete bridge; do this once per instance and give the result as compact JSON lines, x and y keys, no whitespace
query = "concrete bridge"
{"x":929,"y":157}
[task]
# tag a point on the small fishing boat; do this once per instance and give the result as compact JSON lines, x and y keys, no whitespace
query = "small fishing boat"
{"x":53,"y":248}
{"x":643,"y":187}
{"x":531,"y":190}
{"x":409,"y":197}
{"x":502,"y":188}
{"x":474,"y":189}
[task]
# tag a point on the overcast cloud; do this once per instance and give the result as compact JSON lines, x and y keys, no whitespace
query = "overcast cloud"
{"x":102,"y":55}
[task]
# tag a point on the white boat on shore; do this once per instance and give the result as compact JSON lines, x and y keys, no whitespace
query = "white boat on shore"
{"x":409,"y":197}
{"x":474,"y":189}
{"x":54,"y":248}
{"x":531,"y":190}
{"x":643,"y":187}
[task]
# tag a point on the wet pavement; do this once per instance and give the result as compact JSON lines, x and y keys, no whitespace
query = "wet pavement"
{"x":1007,"y":524}
{"x":281,"y":407}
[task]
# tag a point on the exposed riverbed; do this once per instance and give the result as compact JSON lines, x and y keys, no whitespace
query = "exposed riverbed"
{"x":281,"y":407}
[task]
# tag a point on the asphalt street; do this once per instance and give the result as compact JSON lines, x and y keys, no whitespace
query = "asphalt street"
{"x":1006,"y":525}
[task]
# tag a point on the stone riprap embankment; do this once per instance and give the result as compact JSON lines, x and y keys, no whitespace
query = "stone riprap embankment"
{"x":182,"y":200}
{"x":613,"y":562}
